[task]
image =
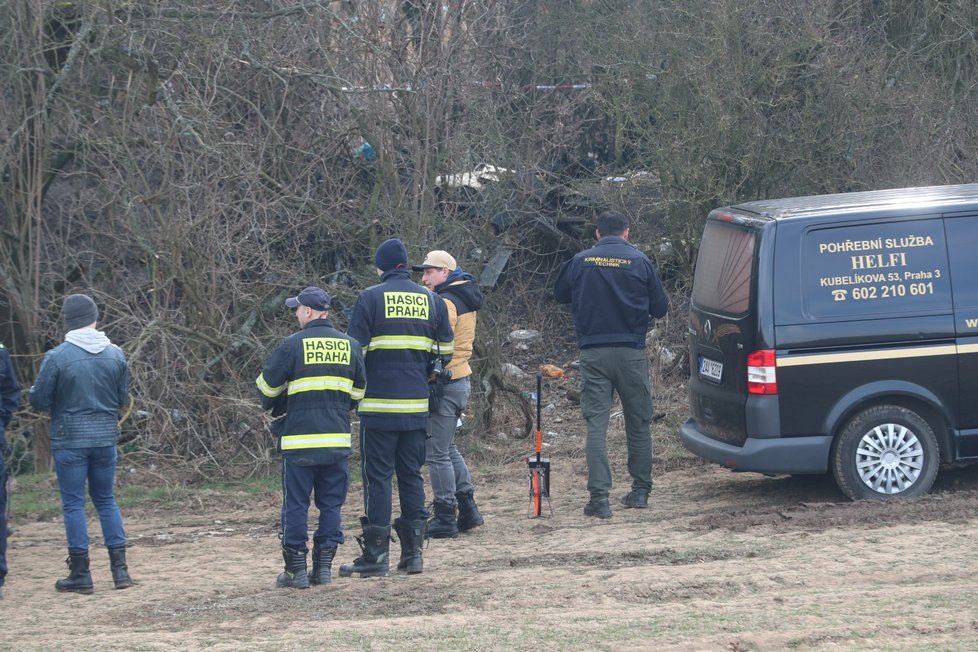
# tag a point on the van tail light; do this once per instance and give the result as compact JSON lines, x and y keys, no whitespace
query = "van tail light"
{"x":761,"y":373}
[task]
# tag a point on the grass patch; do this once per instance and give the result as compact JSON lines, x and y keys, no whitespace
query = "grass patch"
{"x":36,"y":496}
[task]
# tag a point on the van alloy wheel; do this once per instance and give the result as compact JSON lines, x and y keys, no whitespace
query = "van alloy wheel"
{"x":885,"y":452}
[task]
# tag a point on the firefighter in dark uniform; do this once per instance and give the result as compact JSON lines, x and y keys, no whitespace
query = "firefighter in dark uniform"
{"x":404,"y":330}
{"x":312,"y":380}
{"x":9,"y":400}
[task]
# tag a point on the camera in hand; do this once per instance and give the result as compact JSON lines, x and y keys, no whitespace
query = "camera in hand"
{"x":437,"y":372}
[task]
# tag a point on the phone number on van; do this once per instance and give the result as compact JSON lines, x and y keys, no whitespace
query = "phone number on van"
{"x":888,"y":291}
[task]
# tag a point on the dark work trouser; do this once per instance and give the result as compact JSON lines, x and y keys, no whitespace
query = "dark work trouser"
{"x":605,"y":370}
{"x":328,"y":484}
{"x":384,"y":454}
{"x":3,"y":518}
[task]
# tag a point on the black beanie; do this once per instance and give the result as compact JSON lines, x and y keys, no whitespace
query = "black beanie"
{"x":390,"y":254}
{"x":79,"y":311}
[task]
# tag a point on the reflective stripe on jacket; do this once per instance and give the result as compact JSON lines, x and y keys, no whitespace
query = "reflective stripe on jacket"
{"x":316,"y":375}
{"x":402,"y":326}
{"x":316,"y":440}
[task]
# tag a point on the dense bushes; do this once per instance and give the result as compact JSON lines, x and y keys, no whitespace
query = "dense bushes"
{"x":191,"y":164}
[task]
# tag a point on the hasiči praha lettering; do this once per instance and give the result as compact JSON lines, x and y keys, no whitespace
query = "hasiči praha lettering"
{"x":405,"y":305}
{"x":325,"y":350}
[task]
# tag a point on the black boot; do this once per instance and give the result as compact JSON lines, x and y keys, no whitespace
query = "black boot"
{"x":411,"y":535}
{"x":375,"y":560}
{"x":443,"y":525}
{"x":79,"y":578}
{"x":294,"y":576}
{"x":468,"y":513}
{"x":322,"y":564}
{"x":120,"y":571}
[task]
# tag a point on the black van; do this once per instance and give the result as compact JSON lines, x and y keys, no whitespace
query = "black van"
{"x":838,"y":331}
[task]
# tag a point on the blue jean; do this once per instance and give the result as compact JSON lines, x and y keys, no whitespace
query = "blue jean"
{"x":96,"y":466}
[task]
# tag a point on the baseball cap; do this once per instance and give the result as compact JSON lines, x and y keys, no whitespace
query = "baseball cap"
{"x":312,"y":297}
{"x":436,"y":258}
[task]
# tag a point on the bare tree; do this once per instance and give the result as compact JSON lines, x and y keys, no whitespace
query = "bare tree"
{"x":190,"y":164}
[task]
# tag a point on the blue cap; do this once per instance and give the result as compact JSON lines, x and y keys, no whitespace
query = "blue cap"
{"x":315,"y":298}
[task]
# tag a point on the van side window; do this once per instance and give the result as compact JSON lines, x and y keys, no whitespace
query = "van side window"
{"x":874,"y":269}
{"x":724,"y":268}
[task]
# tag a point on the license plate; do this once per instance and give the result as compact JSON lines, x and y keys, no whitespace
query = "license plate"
{"x":711,"y":369}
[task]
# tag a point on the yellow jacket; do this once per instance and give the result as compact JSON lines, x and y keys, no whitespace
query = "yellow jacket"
{"x":463,"y":298}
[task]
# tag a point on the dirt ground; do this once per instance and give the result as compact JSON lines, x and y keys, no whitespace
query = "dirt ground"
{"x":718,"y":562}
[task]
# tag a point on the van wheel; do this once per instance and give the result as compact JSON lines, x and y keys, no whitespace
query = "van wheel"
{"x":885,"y":452}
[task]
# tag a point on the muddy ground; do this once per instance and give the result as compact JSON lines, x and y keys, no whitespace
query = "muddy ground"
{"x":718,"y":562}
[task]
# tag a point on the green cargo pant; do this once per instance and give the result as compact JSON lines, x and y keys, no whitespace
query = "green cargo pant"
{"x":605,"y":370}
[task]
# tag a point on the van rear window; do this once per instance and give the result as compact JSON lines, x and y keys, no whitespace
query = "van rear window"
{"x":724,"y":268}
